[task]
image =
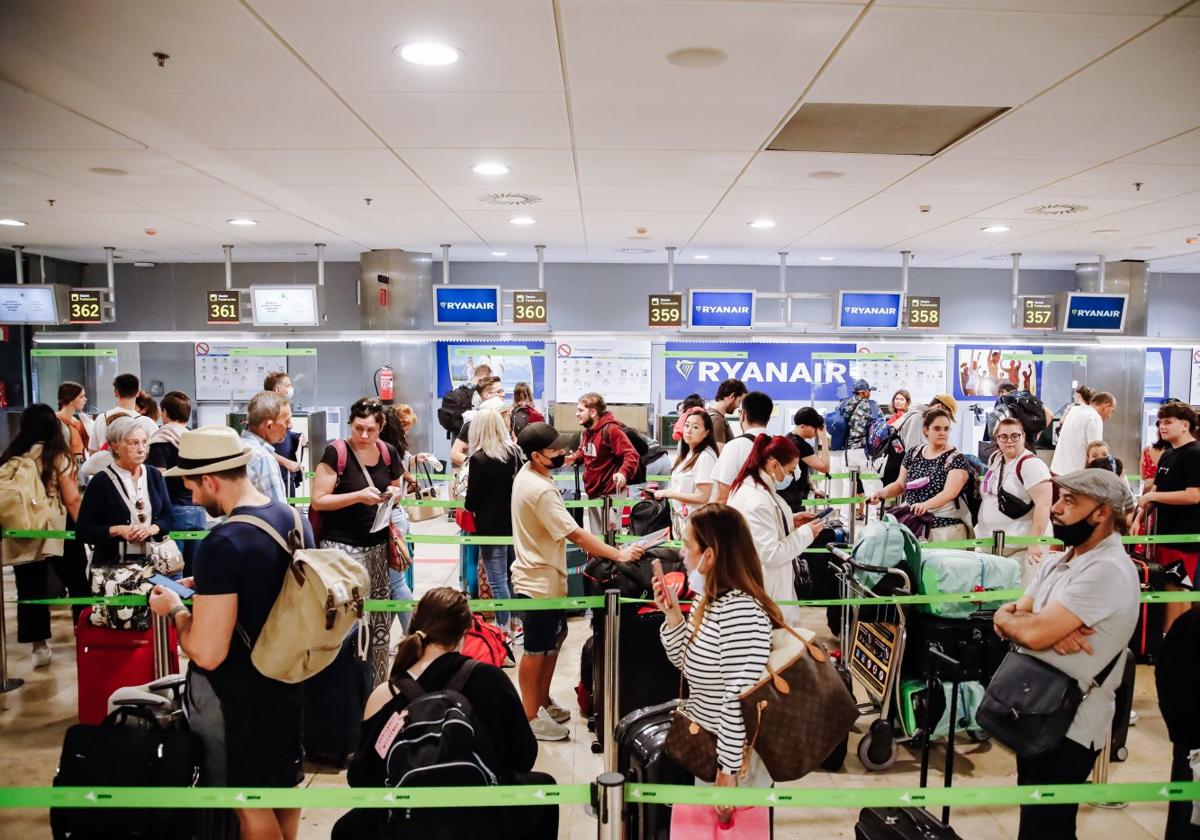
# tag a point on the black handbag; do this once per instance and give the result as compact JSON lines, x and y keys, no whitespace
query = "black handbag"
{"x":1030,"y":704}
{"x":1011,"y":506}
{"x":648,"y":516}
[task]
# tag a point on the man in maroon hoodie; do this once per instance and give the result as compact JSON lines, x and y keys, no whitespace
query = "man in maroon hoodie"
{"x":609,"y":459}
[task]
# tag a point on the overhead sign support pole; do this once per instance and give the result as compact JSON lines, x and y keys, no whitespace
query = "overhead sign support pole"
{"x":228,"y":249}
{"x":785,"y":303}
{"x":445,"y":264}
{"x":1100,"y":273}
{"x":670,"y":268}
{"x":905,"y":256}
{"x":109,"y":250}
{"x":320,"y":246}
{"x":541,"y":265}
{"x":19,"y":255}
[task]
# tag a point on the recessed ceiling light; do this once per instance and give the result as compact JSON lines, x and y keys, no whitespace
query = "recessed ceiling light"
{"x":429,"y":54}
{"x":12,"y":223}
{"x":699,"y":256}
{"x":697,"y":57}
{"x":108,"y":170}
{"x":826,"y":175}
{"x":1144,"y":247}
{"x":242,"y":222}
{"x":143,"y":265}
{"x":1104,"y":231}
{"x":826,"y":259}
{"x":996,"y":229}
{"x":522,"y":220}
{"x":487,"y":168}
{"x":499,"y":253}
{"x":762,"y":223}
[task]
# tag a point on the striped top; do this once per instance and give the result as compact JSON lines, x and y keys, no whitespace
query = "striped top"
{"x":727,"y":656}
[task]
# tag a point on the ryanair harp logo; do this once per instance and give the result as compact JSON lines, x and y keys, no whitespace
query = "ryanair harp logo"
{"x":684,"y":367}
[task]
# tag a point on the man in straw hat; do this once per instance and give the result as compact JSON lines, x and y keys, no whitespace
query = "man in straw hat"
{"x":250,"y":724}
{"x":1077,"y":615}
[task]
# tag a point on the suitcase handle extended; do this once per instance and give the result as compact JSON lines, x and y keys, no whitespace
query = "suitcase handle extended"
{"x":941,"y":665}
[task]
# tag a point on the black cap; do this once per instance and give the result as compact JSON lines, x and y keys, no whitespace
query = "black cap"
{"x":538,"y":436}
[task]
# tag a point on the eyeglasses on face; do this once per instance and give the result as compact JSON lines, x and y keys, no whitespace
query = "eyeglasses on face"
{"x":1013,"y":438}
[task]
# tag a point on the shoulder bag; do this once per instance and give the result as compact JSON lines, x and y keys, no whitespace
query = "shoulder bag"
{"x":689,"y":744}
{"x":1010,"y":505}
{"x":1030,"y":704}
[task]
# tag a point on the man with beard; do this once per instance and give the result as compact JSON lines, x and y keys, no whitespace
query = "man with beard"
{"x":1077,"y":616}
{"x":250,"y":724}
{"x":610,"y":460}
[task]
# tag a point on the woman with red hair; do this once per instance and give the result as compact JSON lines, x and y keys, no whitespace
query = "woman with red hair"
{"x":779,"y":535}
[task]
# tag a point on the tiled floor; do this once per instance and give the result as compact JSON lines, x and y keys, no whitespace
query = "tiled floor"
{"x":33,"y":719}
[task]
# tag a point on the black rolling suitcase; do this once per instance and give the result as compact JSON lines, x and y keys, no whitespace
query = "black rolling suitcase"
{"x":1148,"y":634}
{"x":917,"y":823}
{"x":972,"y":641}
{"x":642,"y":757}
{"x":334,"y":701}
{"x":1124,"y":705}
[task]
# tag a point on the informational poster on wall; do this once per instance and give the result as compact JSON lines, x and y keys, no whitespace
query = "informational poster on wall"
{"x":513,"y":361}
{"x":1158,"y":374}
{"x":617,"y":370}
{"x":888,"y":367}
{"x":221,"y":375}
{"x":788,"y":371}
{"x":980,"y":369}
{"x":1194,"y":396}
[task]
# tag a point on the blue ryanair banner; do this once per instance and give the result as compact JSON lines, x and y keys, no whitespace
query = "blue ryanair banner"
{"x":869,"y":310}
{"x":466,"y":305}
{"x":786,"y":371}
{"x":721,"y":308}
{"x":1095,"y":313}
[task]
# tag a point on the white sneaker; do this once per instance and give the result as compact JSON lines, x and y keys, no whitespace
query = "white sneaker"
{"x":41,"y":657}
{"x":545,"y":728}
{"x":1133,"y":717}
{"x":558,"y":713}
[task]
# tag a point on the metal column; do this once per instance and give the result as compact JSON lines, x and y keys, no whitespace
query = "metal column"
{"x":610,"y":806}
{"x":612,"y":681}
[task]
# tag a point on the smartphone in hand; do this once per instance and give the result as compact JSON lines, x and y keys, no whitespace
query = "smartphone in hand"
{"x":668,"y":597}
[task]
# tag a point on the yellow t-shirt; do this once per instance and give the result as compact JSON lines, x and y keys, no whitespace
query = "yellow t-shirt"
{"x":540,"y":528}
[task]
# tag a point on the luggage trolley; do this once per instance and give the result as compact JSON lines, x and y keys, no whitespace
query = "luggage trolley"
{"x":872,"y":651}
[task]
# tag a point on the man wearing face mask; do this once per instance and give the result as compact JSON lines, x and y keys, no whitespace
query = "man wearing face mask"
{"x":541,"y":528}
{"x":1077,"y":615}
{"x":287,"y":449}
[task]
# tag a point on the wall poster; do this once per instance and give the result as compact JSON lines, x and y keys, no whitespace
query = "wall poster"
{"x":512,"y":361}
{"x":617,"y":370}
{"x":980,"y":369}
{"x":919,"y":368}
{"x":221,"y":376}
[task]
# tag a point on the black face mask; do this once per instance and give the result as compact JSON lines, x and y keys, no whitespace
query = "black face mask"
{"x":557,"y":461}
{"x":1077,"y":533}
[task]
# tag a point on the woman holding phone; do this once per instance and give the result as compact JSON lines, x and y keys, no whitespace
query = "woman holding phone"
{"x":723,"y":649}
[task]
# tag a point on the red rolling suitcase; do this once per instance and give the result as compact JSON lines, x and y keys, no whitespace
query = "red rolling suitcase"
{"x":107,"y":659}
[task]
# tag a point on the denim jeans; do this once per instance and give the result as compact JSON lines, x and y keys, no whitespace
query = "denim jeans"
{"x":401,"y":590}
{"x":496,"y":560}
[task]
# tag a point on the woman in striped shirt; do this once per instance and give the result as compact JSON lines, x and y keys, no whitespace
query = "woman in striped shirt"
{"x":723,"y":650}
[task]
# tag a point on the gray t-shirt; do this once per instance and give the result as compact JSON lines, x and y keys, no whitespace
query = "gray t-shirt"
{"x":1101,"y":588}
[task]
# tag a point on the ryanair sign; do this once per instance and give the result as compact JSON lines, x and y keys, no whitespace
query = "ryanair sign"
{"x":721,"y":308}
{"x":786,"y":371}
{"x":869,"y":310}
{"x":461,"y":305}
{"x":1095,"y":313}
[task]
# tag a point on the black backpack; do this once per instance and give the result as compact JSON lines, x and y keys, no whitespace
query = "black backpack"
{"x":1022,"y":406}
{"x":970,"y":495}
{"x":450,"y":414}
{"x":520,"y":419}
{"x":640,"y":444}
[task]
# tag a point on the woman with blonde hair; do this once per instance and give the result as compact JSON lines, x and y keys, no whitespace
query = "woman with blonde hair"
{"x":491,"y":465}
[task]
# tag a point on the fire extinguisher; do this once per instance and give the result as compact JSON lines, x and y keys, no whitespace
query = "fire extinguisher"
{"x":385,"y":384}
{"x":3,"y":394}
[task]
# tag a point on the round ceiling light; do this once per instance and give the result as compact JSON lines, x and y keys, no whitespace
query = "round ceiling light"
{"x":699,"y":256}
{"x":996,"y":229}
{"x":826,"y":175}
{"x":489,"y":168}
{"x":429,"y":54}
{"x":108,"y":170}
{"x":762,"y":223}
{"x":499,"y":253}
{"x":12,"y":223}
{"x":242,"y":222}
{"x":522,"y":220}
{"x":695,"y":58}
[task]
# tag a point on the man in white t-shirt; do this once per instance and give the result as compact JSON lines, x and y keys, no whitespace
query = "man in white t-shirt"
{"x":1084,"y":424}
{"x":754,"y":414}
{"x":125,"y":389}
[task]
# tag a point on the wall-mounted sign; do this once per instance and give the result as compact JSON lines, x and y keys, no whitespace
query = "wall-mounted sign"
{"x":284,"y":306}
{"x":466,"y":305}
{"x":224,"y":307}
{"x":786,"y":370}
{"x":924,"y":313}
{"x":530,"y":307}
{"x":666,"y":310}
{"x":1036,"y":312}
{"x":86,"y":307}
{"x":869,"y":310}
{"x":721,"y":309}
{"x":1088,"y":312}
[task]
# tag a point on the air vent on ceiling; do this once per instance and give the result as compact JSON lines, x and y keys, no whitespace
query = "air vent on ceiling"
{"x":635,"y":250}
{"x":507,"y":199}
{"x":1057,"y":209}
{"x":880,"y":129}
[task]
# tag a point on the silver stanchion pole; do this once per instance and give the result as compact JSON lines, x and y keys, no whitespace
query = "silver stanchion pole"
{"x":6,"y":683}
{"x":854,"y":473}
{"x":610,"y":532}
{"x":1100,"y":776}
{"x":610,"y":806}
{"x":612,"y":682}
{"x":162,"y":641}
{"x":998,"y":543}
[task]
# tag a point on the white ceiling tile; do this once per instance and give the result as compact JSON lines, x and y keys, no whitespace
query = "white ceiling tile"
{"x":962,"y":175}
{"x":1017,"y":208}
{"x":631,"y":121}
{"x":891,"y":218}
{"x":29,"y":122}
{"x":171,"y":198}
{"x":144,"y":167}
{"x":918,"y":56}
{"x":461,"y":197}
{"x":466,"y":120}
{"x":732,"y":230}
{"x":966,"y":235}
{"x":1181,"y":150}
{"x":1118,"y":180}
{"x":651,"y":198}
{"x":621,"y":226}
{"x":507,"y":45}
{"x":819,"y":205}
{"x":67,"y":199}
{"x":1059,"y":133}
{"x":553,"y":227}
{"x":384,"y":197}
{"x":261,"y":121}
{"x":659,"y":168}
{"x":1094,"y":7}
{"x":325,"y":166}
{"x":860,"y":173}
{"x":526,"y":166}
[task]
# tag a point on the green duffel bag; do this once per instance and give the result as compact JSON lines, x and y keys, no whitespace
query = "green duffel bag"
{"x":912,"y":708}
{"x":957,"y":570}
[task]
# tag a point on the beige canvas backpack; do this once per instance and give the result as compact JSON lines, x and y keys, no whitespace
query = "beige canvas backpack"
{"x":320,"y":600}
{"x":25,"y":505}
